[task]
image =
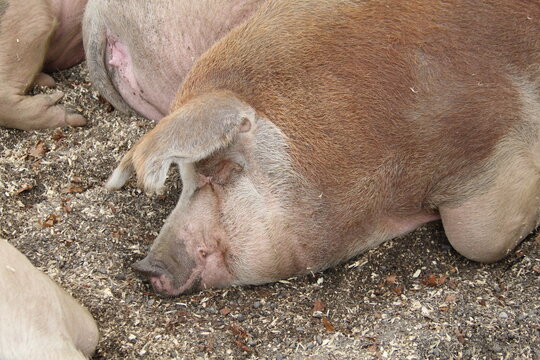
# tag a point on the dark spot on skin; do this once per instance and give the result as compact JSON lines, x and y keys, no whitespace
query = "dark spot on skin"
{"x":4,"y":4}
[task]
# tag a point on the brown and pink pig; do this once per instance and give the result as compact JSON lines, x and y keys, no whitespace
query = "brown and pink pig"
{"x":322,"y":128}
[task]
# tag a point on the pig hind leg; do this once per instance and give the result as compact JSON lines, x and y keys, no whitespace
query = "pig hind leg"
{"x":26,"y":28}
{"x":487,"y":227}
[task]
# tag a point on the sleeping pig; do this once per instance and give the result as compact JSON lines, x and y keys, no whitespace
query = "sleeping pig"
{"x":322,"y":128}
{"x":139,"y":51}
{"x":37,"y":35}
{"x":39,"y":319}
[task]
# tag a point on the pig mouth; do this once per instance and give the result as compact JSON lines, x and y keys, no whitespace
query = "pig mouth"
{"x":165,"y":283}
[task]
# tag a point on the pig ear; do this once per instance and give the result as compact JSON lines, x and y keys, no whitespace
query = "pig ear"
{"x":191,"y":133}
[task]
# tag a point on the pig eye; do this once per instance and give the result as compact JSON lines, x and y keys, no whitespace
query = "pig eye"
{"x":203,"y":253}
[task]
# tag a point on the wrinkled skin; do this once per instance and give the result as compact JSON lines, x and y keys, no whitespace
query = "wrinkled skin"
{"x":320,"y":129}
{"x":39,"y":319}
{"x":36,"y":36}
{"x":138,"y":51}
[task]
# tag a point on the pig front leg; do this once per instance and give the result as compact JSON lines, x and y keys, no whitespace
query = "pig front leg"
{"x":26,"y":28}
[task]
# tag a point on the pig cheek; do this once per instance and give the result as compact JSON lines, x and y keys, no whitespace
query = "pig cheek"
{"x":216,"y":273}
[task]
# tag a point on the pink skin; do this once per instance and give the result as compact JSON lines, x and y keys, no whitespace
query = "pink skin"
{"x":206,"y":275}
{"x":119,"y":61}
{"x":138,"y":52}
{"x":66,"y":47}
{"x":189,"y":255}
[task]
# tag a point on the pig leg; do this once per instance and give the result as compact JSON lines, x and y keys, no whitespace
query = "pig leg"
{"x":487,"y":227}
{"x":26,"y":28}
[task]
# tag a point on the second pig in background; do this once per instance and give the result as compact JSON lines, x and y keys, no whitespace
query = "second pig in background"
{"x":139,"y":51}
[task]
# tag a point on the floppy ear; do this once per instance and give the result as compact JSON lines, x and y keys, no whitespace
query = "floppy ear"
{"x":191,"y":133}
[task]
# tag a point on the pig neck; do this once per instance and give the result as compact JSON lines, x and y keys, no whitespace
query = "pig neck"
{"x":66,"y":47}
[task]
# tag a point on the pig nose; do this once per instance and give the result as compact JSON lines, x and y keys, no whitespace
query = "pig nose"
{"x":148,"y":268}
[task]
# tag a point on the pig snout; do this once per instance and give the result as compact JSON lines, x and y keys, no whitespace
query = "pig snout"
{"x":182,"y":278}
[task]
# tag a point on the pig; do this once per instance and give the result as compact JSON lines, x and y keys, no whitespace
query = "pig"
{"x":39,"y":319}
{"x":138,"y":51}
{"x":37,"y":35}
{"x":322,"y":128}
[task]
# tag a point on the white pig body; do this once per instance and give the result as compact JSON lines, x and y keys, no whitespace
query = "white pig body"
{"x":38,"y":319}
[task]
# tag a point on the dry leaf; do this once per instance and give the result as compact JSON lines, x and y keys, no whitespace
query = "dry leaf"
{"x":434,"y":280}
{"x":58,"y":135}
{"x":318,"y":305}
{"x":391,"y":279}
{"x":50,"y":221}
{"x":38,"y":150}
{"x":536,"y":268}
{"x":372,"y":348}
{"x":72,"y":189}
{"x":238,"y":331}
{"x":225,"y":311}
{"x":242,"y":346}
{"x":76,"y":180}
{"x":327,"y":324}
{"x":25,"y":187}
{"x":398,"y":290}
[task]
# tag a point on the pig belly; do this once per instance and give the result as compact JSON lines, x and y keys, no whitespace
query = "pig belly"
{"x":120,"y":64}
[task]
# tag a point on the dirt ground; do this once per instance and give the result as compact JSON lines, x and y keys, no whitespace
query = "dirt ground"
{"x":412,"y":298}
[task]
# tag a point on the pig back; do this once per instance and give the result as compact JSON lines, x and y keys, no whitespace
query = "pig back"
{"x":379,"y":99}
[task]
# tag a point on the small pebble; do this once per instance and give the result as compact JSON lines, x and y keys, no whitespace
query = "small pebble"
{"x":211,"y":310}
{"x":150,"y":302}
{"x":257,"y":304}
{"x":240,"y":317}
{"x":311,"y":345}
{"x":318,"y":338}
{"x":503,"y":315}
{"x":280,"y":357}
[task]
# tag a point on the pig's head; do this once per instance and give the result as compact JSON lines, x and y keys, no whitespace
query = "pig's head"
{"x":232,"y":224}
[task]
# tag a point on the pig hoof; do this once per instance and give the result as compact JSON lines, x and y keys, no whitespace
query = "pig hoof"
{"x":75,"y":120}
{"x":45,"y":80}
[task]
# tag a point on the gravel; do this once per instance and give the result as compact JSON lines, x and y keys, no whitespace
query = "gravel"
{"x":411,"y":298}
